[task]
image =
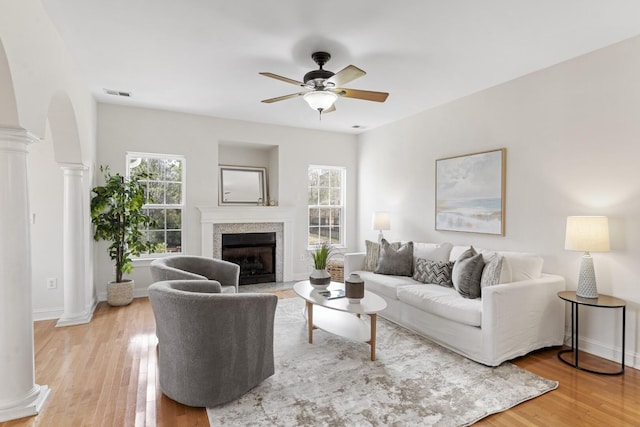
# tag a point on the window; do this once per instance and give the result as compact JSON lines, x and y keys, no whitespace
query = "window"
{"x":163,"y":178}
{"x":326,"y":205}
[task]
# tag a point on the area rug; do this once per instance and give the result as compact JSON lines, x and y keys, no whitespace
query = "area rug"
{"x":413,"y":382}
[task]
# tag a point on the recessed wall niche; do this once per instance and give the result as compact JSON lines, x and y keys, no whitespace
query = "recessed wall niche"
{"x":257,"y":155}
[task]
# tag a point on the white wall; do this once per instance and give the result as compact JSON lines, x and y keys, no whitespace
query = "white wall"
{"x":572,"y":134}
{"x":42,"y":70}
{"x":122,"y":129}
{"x":46,"y":188}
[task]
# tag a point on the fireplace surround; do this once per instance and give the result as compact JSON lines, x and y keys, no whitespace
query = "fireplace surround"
{"x":218,"y":220}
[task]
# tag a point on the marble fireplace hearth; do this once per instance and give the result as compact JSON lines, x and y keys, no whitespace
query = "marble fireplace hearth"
{"x":218,"y":220}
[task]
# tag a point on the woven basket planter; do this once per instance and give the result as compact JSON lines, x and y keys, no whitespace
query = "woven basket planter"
{"x":120,"y":293}
{"x":336,"y":270}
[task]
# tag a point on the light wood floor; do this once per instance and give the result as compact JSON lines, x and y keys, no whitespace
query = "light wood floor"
{"x":104,"y":374}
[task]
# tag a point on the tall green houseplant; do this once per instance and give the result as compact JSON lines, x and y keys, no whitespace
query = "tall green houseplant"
{"x":118,"y":217}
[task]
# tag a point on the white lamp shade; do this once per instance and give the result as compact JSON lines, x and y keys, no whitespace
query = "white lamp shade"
{"x":320,"y":100}
{"x":381,"y":221}
{"x":587,"y":234}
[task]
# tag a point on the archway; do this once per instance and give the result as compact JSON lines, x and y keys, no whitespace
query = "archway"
{"x":8,"y":107}
{"x":64,"y":129}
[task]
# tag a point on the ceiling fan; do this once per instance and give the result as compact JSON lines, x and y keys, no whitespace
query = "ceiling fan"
{"x":326,"y":86}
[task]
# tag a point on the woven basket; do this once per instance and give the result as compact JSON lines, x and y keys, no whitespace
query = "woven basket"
{"x":120,"y":293}
{"x":336,"y":270}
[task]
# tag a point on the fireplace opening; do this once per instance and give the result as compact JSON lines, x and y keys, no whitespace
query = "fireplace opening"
{"x":255,"y":253}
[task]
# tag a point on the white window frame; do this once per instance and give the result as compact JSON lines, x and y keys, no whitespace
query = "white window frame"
{"x":342,"y":206}
{"x":131,"y":155}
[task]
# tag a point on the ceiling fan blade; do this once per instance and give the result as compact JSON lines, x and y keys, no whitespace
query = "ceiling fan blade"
{"x":282,"y":98}
{"x":347,"y":74}
{"x":367,"y":95}
{"x":284,"y":79}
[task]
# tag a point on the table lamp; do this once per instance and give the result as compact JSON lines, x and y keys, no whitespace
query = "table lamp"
{"x":381,"y":222}
{"x":587,"y":234}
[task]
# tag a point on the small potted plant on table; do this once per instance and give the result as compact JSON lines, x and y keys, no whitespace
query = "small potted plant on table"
{"x":320,"y":277}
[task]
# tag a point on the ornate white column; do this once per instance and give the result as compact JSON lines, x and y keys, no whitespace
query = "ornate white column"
{"x":75,"y":310}
{"x":19,"y":395}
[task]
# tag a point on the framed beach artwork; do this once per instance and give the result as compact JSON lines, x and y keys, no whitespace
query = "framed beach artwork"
{"x":470,"y":192}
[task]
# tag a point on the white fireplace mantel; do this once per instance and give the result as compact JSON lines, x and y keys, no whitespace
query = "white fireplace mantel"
{"x":211,"y":215}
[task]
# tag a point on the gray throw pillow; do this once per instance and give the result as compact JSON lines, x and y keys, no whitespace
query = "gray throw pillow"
{"x":395,"y":262}
{"x":457,"y":267}
{"x":492,"y":270}
{"x":467,"y":272}
{"x":373,"y":254}
{"x":436,"y":272}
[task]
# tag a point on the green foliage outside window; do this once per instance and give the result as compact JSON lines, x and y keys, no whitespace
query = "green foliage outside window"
{"x":325,"y":200}
{"x":163,"y":186}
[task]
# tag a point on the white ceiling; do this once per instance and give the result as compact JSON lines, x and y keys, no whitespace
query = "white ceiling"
{"x":204,"y":56}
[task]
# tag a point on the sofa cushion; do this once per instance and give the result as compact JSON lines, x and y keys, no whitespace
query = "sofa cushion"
{"x":373,"y":254}
{"x":516,"y":266}
{"x":431,"y":251}
{"x":456,"y":251}
{"x":435,"y":272}
{"x":523,"y":266}
{"x":386,"y":286}
{"x":395,"y":262}
{"x":443,"y":302}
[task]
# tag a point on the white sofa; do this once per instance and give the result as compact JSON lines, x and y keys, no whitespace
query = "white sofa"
{"x":509,"y":320}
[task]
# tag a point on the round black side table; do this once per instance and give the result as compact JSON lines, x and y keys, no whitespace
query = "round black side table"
{"x":602,"y":301}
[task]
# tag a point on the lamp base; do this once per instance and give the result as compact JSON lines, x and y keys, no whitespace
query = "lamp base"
{"x":380,"y":236}
{"x":587,"y":279}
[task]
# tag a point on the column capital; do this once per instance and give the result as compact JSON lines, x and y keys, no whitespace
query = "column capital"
{"x":68,"y":167}
{"x":16,"y":139}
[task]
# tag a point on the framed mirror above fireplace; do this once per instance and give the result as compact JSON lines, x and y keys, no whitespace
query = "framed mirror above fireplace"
{"x":243,"y":185}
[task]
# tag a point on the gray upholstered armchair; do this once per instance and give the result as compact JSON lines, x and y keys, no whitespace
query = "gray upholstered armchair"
{"x":213,"y":347}
{"x":190,"y":267}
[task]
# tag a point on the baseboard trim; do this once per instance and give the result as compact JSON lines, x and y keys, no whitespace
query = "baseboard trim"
{"x":48,"y":314}
{"x":606,"y":351}
{"x":57,"y":313}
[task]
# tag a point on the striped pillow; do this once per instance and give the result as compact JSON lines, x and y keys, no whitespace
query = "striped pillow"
{"x":492,"y":271}
{"x":373,"y":254}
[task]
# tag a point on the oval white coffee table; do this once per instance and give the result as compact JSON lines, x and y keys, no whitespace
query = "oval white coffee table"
{"x":339,"y":317}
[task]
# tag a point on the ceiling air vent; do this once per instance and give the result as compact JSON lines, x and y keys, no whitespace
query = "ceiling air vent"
{"x":117,"y":92}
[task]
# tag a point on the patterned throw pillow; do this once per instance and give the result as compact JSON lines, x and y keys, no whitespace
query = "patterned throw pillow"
{"x":436,"y":272}
{"x":492,"y":270}
{"x":373,"y":254}
{"x":395,"y":262}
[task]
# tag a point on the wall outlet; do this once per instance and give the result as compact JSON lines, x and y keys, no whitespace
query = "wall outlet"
{"x":52,"y":283}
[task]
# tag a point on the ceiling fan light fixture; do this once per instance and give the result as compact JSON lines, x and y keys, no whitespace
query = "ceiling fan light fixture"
{"x":320,"y":100}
